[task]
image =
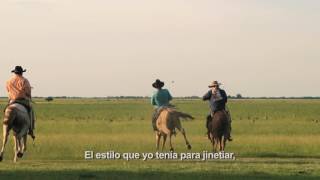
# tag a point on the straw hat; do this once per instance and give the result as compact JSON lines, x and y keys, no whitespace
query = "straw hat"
{"x":214,"y":83}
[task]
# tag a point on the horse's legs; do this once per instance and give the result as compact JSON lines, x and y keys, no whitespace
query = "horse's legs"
{"x":4,"y":141}
{"x":170,"y":142}
{"x":224,"y":143}
{"x":24,"y":145}
{"x":21,"y":144}
{"x":213,"y":144}
{"x":164,"y":141}
{"x":185,"y":138}
{"x":217,"y":144}
{"x":158,"y":137}
{"x":16,"y":148}
{"x":220,"y":143}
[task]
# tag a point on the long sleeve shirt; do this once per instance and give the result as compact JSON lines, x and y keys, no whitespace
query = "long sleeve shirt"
{"x":18,"y":87}
{"x":217,"y":101}
{"x":161,"y":97}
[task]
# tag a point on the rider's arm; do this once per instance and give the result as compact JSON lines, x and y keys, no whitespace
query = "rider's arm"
{"x":169,"y":96}
{"x":7,"y":86}
{"x":27,"y":88}
{"x":8,"y":89}
{"x":224,"y":96}
{"x":207,"y":96}
{"x":153,"y":101}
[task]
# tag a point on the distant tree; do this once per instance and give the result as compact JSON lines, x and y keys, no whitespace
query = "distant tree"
{"x":49,"y":99}
{"x":239,"y":96}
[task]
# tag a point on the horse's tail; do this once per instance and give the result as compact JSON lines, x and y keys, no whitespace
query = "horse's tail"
{"x":178,"y":114}
{"x":185,"y":116}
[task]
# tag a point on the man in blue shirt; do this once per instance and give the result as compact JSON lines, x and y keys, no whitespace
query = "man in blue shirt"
{"x":161,"y":98}
{"x":217,"y":99}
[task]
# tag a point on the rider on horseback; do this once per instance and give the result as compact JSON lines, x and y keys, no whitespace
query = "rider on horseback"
{"x":160,"y":99}
{"x":217,"y":98}
{"x":19,"y":91}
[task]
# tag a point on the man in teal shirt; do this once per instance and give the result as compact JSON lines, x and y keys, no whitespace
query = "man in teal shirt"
{"x":161,"y":98}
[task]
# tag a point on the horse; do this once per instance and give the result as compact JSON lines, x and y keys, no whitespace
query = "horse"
{"x":167,"y":122}
{"x":17,"y":118}
{"x":217,"y":130}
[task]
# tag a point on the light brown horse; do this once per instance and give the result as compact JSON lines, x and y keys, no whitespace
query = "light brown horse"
{"x":167,"y":122}
{"x":16,"y":118}
{"x":217,"y":130}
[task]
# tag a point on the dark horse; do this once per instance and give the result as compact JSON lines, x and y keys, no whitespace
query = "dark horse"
{"x":217,"y":130}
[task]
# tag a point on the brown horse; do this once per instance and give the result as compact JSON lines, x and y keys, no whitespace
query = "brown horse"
{"x":17,"y":118}
{"x":218,"y":129}
{"x":167,"y":122}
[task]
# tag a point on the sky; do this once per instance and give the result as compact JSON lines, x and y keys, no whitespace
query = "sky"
{"x":94,"y":48}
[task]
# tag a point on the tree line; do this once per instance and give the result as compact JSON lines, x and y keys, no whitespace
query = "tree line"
{"x":237,"y":96}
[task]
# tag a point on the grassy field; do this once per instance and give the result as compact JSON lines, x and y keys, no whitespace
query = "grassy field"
{"x":277,"y":139}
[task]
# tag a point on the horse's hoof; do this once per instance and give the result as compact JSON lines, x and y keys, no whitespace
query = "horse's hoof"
{"x":171,"y":150}
{"x":1,"y":158}
{"x":189,"y":147}
{"x":19,"y":154}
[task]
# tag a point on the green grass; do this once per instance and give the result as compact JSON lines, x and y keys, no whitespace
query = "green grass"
{"x":277,"y":139}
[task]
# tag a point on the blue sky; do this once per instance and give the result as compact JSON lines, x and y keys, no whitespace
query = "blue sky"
{"x":107,"y":48}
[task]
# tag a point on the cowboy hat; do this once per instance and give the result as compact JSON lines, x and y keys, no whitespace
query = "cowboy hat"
{"x":214,"y":83}
{"x":158,"y":84}
{"x":18,"y":70}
